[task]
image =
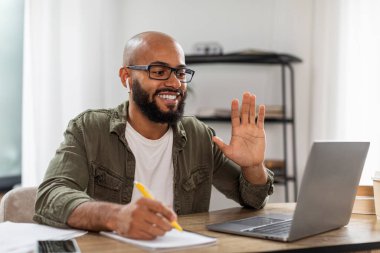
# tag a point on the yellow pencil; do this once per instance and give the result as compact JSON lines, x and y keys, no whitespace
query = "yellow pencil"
{"x":144,"y":191}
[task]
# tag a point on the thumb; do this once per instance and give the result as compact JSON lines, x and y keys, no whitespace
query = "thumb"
{"x":218,"y":141}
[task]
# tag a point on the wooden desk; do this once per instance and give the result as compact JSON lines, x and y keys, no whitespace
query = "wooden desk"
{"x":361,"y":234}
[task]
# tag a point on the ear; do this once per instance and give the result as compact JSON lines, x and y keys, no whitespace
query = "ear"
{"x":123,"y":74}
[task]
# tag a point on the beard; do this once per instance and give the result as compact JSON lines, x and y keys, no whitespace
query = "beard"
{"x":150,"y":108}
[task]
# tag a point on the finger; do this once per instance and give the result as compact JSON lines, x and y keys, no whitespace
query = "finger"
{"x":219,"y":142}
{"x":158,"y":215}
{"x":141,"y":235}
{"x":138,"y":227}
{"x":153,"y":229}
{"x":157,"y":207}
{"x":146,"y":221}
{"x":245,"y":106}
{"x":158,"y":220}
{"x":252,"y":109}
{"x":261,"y":118}
{"x":235,"y":119}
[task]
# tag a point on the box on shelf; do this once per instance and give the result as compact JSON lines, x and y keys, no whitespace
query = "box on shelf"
{"x":364,"y":201}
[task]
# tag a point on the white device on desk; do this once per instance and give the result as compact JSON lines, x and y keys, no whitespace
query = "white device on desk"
{"x":326,"y":196}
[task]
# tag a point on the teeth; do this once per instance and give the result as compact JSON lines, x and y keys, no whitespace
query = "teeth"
{"x":172,"y":97}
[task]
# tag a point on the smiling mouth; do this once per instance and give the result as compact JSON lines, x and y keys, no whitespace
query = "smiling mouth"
{"x":169,"y":96}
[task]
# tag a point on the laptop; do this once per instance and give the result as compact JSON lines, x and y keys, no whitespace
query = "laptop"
{"x":325,"y":200}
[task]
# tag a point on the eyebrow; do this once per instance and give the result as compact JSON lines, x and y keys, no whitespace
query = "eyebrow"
{"x":166,"y":64}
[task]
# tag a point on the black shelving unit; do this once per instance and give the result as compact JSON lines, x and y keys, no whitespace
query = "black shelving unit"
{"x":285,"y":61}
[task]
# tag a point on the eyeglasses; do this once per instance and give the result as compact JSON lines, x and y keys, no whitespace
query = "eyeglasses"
{"x":162,"y":72}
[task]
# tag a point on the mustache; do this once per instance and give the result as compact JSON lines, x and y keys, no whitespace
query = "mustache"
{"x":179,"y":91}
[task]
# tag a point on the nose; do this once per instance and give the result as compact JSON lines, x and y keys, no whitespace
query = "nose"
{"x":173,"y":81}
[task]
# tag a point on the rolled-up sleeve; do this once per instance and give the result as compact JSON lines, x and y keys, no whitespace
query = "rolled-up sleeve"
{"x":65,"y":182}
{"x":256,"y":196}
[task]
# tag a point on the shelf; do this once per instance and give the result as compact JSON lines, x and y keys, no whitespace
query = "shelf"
{"x":258,"y":58}
{"x":228,"y":119}
{"x":285,"y":61}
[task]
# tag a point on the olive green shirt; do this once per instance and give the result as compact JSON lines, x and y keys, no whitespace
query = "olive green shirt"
{"x":94,"y":162}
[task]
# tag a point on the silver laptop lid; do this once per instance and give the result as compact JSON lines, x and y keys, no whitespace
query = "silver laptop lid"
{"x":328,"y":187}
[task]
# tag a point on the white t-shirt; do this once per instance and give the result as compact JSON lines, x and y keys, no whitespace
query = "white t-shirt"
{"x":154,"y":165}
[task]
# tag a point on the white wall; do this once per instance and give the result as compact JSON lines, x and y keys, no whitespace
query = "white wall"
{"x":270,"y":25}
{"x":283,"y":26}
{"x":98,"y":31}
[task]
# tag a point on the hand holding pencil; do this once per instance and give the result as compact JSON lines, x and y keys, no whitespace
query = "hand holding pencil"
{"x":144,"y":191}
{"x":144,"y":219}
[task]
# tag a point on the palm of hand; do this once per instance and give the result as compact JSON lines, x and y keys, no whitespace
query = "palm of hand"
{"x":247,"y":145}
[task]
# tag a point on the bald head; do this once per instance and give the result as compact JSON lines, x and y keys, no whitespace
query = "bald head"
{"x":141,"y":44}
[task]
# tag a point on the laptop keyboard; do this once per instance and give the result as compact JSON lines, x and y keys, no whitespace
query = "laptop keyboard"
{"x":257,"y":221}
{"x":273,"y":229}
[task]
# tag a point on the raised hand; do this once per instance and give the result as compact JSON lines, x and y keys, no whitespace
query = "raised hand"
{"x":247,"y":144}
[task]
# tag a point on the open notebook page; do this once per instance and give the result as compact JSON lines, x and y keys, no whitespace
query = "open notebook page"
{"x":22,"y":237}
{"x":171,"y":240}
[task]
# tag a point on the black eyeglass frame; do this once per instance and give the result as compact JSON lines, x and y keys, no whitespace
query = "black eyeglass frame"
{"x":175,"y":70}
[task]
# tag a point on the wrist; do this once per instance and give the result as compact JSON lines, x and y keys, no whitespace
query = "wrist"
{"x":254,"y":167}
{"x":111,"y":220}
{"x":256,"y":174}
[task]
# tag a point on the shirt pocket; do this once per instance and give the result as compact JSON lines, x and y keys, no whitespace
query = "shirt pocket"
{"x":199,"y":175}
{"x":107,"y":185}
{"x":196,"y":191}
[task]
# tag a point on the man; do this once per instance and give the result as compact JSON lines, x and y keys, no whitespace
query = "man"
{"x":89,"y":182}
